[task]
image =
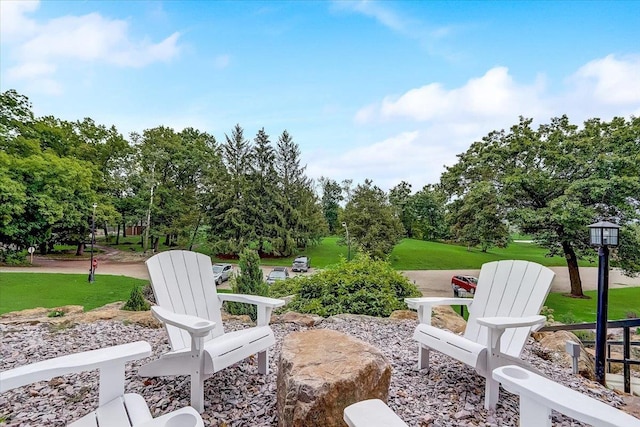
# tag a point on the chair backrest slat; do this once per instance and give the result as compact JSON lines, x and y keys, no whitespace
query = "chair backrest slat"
{"x":183,"y":282}
{"x":511,"y":289}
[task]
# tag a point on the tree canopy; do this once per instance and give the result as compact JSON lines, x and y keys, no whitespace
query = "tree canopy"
{"x":173,"y":183}
{"x":555,"y":180}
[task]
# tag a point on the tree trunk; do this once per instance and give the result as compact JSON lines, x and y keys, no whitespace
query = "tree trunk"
{"x":124,"y":229}
{"x":118,"y":235}
{"x":80,"y":249}
{"x":574,"y":272}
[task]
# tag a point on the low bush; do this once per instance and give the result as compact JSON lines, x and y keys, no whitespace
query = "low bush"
{"x":136,"y":301}
{"x":55,"y":313}
{"x":362,"y":286}
{"x":11,"y":257}
{"x":568,"y":318}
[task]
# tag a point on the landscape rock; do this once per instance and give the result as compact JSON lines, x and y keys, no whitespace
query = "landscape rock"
{"x":555,"y":343}
{"x":75,"y":314}
{"x":320,"y":372}
{"x":404,"y":315}
{"x":297,"y":318}
{"x":444,"y":317}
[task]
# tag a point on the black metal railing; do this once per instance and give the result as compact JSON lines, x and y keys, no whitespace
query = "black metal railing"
{"x":626,"y":343}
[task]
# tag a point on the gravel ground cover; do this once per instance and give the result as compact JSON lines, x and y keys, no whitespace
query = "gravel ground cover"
{"x":450,"y":395}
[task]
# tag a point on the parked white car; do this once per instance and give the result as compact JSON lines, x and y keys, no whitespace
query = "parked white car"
{"x":222,"y":272}
{"x":301,"y":263}
{"x":278,"y":273}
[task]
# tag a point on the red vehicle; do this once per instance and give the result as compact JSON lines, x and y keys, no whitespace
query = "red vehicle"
{"x":465,"y":283}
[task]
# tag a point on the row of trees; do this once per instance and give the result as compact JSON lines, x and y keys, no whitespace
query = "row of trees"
{"x":245,"y":194}
{"x":549,"y":182}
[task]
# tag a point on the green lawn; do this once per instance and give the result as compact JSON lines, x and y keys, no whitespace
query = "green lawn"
{"x":411,"y":254}
{"x":19,"y":291}
{"x":622,"y":303}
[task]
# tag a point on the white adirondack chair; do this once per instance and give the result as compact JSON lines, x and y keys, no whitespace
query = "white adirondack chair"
{"x":115,"y":408}
{"x":502,"y":313}
{"x":539,"y":395}
{"x":371,"y":413}
{"x":189,"y":306}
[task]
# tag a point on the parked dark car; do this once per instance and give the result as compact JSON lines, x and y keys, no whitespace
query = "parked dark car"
{"x":278,"y":273}
{"x":301,"y":263}
{"x":463,"y":283}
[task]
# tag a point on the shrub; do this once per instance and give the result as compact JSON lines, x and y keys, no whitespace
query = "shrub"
{"x":568,"y":318}
{"x":362,"y":286}
{"x":55,"y":313}
{"x":249,"y":281}
{"x":136,"y":301}
{"x":12,"y":257}
{"x":548,"y":313}
{"x":585,"y":335}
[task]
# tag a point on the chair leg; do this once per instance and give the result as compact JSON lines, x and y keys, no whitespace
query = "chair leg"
{"x":197,"y":374}
{"x":533,"y":414}
{"x":491,"y":393}
{"x":423,"y":357}
{"x":263,"y":362}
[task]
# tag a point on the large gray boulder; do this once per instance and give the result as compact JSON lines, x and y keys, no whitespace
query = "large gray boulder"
{"x":320,"y":372}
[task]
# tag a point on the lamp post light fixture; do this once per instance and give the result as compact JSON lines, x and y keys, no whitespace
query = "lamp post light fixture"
{"x":93,"y":237}
{"x":346,"y":229}
{"x":602,"y":234}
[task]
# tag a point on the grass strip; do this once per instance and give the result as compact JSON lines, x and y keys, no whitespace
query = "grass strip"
{"x":19,"y":291}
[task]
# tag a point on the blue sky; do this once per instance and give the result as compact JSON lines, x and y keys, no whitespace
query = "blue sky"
{"x":388,"y":90}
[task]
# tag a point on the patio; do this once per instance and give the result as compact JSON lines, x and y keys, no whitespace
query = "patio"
{"x":451,"y":395}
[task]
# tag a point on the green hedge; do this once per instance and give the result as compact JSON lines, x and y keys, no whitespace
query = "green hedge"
{"x":361,"y":286}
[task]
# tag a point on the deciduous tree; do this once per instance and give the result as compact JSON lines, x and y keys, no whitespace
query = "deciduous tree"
{"x":371,"y":220}
{"x":556,"y":180}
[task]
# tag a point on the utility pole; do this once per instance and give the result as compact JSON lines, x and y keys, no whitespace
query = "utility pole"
{"x":146,"y":230}
{"x":93,"y":238}
{"x":346,"y":229}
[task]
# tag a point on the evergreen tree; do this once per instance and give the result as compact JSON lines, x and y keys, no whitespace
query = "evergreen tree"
{"x":331,"y":198}
{"x":249,"y":281}
{"x":264,"y":196}
{"x":230,"y":222}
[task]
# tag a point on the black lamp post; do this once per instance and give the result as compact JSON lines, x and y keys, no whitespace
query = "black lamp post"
{"x":344,"y":224}
{"x":602,"y":234}
{"x":93,"y":237}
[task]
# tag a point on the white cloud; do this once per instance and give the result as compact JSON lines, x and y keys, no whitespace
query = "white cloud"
{"x":383,"y":13}
{"x":493,"y":95}
{"x":38,"y":50}
{"x":413,"y":156}
{"x":610,"y":80}
{"x":13,"y":22}
{"x":446,"y":121}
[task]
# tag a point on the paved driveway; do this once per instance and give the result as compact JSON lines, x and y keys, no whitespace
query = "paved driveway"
{"x":430,"y":282}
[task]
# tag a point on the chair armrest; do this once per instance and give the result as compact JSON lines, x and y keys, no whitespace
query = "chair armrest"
{"x":539,"y":395}
{"x":251,"y":299}
{"x":510,"y":322}
{"x":414,"y":303}
{"x":196,"y":326}
{"x":265,"y":305}
{"x":73,"y":363}
{"x":424,"y":305}
{"x":184,"y":417}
